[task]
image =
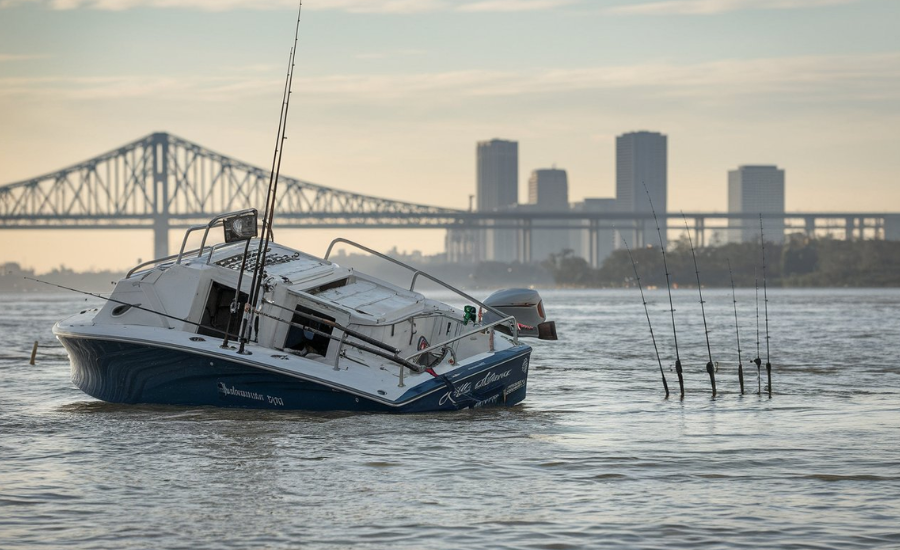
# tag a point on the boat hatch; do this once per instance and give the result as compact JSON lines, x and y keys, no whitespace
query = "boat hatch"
{"x":327,"y":286}
{"x":303,"y":341}
{"x":214,"y":321}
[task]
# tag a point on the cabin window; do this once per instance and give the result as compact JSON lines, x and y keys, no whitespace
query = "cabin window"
{"x":214,"y":321}
{"x":308,"y":335}
{"x":121,"y":309}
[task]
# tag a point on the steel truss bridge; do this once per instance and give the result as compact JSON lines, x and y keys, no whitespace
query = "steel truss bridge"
{"x":163,"y":182}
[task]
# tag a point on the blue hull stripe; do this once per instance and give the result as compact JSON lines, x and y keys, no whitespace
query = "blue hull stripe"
{"x":128,"y":372}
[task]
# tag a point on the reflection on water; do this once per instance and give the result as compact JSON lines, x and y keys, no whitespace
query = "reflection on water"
{"x":594,"y":457}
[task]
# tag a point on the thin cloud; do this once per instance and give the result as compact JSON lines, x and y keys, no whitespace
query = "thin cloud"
{"x":350,"y":6}
{"x":353,"y":6}
{"x":514,"y":5}
{"x":711,"y":7}
{"x":20,"y":57}
{"x":804,"y":79}
{"x":390,"y":54}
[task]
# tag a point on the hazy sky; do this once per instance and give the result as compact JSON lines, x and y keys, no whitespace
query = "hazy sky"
{"x":391,"y":96}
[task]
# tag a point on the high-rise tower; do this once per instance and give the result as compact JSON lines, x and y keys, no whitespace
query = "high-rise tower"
{"x":642,"y":160}
{"x":497,"y":183}
{"x":548,"y":191}
{"x":548,"y":188}
{"x":498,"y":174}
{"x":756,"y":190}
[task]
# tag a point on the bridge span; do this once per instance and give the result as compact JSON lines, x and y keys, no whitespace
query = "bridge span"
{"x":161,"y":182}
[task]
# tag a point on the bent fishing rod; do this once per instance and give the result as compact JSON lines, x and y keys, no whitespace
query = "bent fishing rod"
{"x":766,"y":305}
{"x":758,"y":361}
{"x":737,"y":331}
{"x":710,"y":366}
{"x":662,"y":247}
{"x":272,"y":190}
{"x":647,"y":312}
{"x":135,"y":306}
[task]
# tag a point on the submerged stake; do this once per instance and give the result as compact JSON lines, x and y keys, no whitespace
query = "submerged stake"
{"x":33,"y":352}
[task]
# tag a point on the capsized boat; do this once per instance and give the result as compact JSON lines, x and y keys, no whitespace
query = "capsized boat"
{"x":320,"y":337}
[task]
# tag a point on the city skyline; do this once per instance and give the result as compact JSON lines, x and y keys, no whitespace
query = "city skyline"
{"x":391,"y":95}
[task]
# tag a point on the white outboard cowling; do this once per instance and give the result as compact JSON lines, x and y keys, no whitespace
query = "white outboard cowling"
{"x":526,"y":306}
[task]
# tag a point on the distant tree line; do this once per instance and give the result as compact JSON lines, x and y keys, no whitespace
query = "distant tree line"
{"x":799,"y":262}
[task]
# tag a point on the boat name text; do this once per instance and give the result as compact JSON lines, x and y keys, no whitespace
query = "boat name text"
{"x":233,"y":391}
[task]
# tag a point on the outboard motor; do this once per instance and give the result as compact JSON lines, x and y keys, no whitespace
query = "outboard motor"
{"x":526,"y":306}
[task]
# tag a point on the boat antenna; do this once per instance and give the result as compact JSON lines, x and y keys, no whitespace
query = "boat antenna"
{"x":766,"y":305}
{"x":669,"y":289}
{"x":271,"y":192}
{"x":647,"y":312}
{"x":737,"y":331}
{"x":710,"y":366}
{"x":758,"y":361}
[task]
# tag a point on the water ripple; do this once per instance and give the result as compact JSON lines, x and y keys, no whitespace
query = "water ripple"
{"x":596,"y":457}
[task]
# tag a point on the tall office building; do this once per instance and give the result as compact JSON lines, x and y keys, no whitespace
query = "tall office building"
{"x":642,"y":160}
{"x":548,"y":188}
{"x":548,"y":191}
{"x":756,"y":190}
{"x":498,"y":174}
{"x":497,"y":184}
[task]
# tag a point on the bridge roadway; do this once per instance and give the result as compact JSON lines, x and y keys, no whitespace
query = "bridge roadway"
{"x":163,"y":182}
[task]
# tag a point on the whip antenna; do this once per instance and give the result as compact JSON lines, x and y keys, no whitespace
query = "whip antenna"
{"x":766,"y":305}
{"x":271,"y":192}
{"x":737,"y":331}
{"x":647,"y":312}
{"x":710,"y":367}
{"x":669,"y":289}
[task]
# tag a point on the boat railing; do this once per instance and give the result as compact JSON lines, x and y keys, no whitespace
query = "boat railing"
{"x":158,"y":261}
{"x":476,"y":330}
{"x":508,"y":319}
{"x":373,"y":346}
{"x":218,"y":220}
{"x":214,"y":222}
{"x":514,"y":328}
{"x":377,"y":348}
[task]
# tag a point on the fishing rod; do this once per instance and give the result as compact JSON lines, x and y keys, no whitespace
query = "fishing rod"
{"x":766,"y":304}
{"x":669,"y":289}
{"x":737,"y":331}
{"x":758,"y":361}
{"x":647,"y":312}
{"x":272,"y":190}
{"x":135,"y":306}
{"x":710,"y":366}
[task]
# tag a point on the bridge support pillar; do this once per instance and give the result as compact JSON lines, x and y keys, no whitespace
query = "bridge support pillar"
{"x":159,"y":143}
{"x":160,"y":238}
{"x":525,"y":242}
